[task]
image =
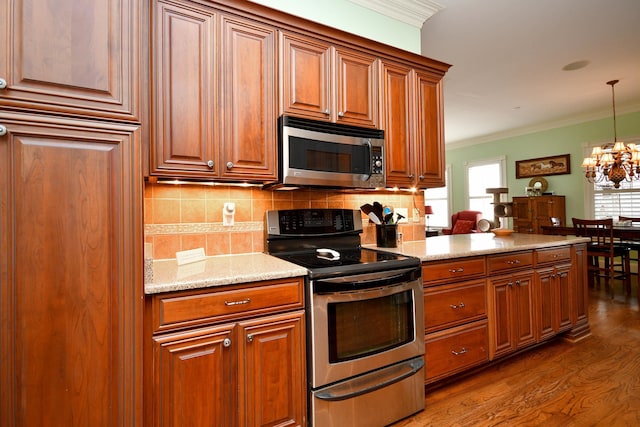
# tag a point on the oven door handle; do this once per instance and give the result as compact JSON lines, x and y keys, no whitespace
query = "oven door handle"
{"x":371,"y":381}
{"x":367,"y":280}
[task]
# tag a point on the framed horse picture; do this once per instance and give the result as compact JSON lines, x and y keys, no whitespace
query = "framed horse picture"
{"x":543,"y":166}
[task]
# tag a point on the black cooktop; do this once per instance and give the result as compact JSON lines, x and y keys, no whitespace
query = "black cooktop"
{"x":348,"y":261}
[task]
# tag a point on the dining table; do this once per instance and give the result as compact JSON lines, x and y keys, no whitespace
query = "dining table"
{"x":623,"y":232}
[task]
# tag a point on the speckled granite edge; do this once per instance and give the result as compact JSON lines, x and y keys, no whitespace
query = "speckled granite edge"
{"x":168,"y":276}
{"x":466,"y":245}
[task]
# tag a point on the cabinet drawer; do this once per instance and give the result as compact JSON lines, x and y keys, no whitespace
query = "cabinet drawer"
{"x":462,"y":268}
{"x":510,"y":261}
{"x":553,"y":255}
{"x":456,"y":350}
{"x":182,"y":309}
{"x":450,"y":305}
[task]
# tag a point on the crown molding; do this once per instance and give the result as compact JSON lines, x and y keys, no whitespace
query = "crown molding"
{"x":412,"y":12}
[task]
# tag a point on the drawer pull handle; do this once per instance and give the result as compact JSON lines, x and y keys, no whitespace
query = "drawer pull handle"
{"x":514,"y":262}
{"x":456,"y":270}
{"x":244,"y":301}
{"x":458,"y":353}
{"x":455,"y":307}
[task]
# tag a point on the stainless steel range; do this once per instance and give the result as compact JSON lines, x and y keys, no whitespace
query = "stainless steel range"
{"x":364,"y":318}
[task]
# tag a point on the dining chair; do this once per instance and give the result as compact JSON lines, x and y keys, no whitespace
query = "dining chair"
{"x":633,"y":245}
{"x":604,"y":248}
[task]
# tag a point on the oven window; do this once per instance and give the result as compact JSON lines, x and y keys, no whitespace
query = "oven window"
{"x":323,"y":156}
{"x":363,"y":327}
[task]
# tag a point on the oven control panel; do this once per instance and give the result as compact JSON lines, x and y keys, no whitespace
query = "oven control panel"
{"x":312,"y":221}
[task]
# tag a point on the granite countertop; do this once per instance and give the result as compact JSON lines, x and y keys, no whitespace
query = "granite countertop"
{"x":167,"y":275}
{"x":464,"y":245}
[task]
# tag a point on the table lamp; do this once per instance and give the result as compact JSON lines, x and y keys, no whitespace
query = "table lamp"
{"x":428,"y":210}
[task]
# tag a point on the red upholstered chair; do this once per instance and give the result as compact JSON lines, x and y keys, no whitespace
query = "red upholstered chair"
{"x":469,"y":222}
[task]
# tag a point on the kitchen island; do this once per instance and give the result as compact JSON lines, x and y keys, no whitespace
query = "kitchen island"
{"x":488,"y":297}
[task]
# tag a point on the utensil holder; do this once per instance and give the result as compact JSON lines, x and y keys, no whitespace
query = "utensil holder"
{"x":387,"y":235}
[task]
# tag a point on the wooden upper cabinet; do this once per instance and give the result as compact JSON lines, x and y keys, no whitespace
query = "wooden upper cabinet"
{"x":184,"y":91}
{"x":214,"y":102}
{"x":397,"y":123}
{"x":413,"y":125}
{"x":71,"y":57}
{"x":429,"y":131}
{"x":248,"y":88}
{"x":306,"y":77}
{"x":324,"y":82}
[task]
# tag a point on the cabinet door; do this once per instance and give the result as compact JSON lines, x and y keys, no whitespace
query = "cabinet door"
{"x":184,"y":90}
{"x":546,"y":307}
{"x":356,"y":88}
{"x":397,"y":123}
{"x":248,"y":146}
{"x":501,"y":318}
{"x":429,"y":131}
{"x":72,"y":57}
{"x":195,"y":381}
{"x":306,"y":77}
{"x":563,"y":281}
{"x":522,"y":215}
{"x":273,"y":379}
{"x":71,"y":283}
{"x":523,"y":300}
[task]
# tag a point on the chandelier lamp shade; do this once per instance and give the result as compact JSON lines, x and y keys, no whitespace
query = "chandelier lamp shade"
{"x":613,"y":162}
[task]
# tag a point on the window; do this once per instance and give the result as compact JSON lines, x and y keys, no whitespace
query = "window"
{"x":480,"y":176}
{"x":439,"y":199}
{"x":604,"y":201}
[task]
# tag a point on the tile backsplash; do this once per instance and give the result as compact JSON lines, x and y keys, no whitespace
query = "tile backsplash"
{"x":179,"y":217}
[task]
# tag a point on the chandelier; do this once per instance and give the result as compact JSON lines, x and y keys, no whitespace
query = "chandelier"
{"x":613,"y":162}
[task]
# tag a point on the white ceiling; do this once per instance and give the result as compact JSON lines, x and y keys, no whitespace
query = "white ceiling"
{"x":508,"y":55}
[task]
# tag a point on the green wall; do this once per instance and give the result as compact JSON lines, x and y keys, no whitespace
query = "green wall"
{"x":354,"y":19}
{"x":569,"y":139}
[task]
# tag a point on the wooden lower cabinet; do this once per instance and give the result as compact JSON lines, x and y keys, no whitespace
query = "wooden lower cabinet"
{"x":454,"y":350}
{"x":455,"y":316}
{"x":511,"y":309}
{"x":478,"y":309}
{"x":243,"y":364}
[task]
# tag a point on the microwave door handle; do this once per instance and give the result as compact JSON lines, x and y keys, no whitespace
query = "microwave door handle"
{"x":368,"y":142}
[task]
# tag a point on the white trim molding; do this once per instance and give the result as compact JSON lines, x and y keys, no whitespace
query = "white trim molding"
{"x":412,"y":12}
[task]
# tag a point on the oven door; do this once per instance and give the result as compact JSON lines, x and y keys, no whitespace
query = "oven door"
{"x":364,"y":322}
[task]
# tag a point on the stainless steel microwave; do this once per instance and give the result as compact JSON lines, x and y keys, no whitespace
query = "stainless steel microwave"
{"x":315,"y":153}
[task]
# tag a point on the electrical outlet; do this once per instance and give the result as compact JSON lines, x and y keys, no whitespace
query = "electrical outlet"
{"x":416,"y":215}
{"x":405,"y":214}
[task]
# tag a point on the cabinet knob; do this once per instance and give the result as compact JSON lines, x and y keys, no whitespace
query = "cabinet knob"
{"x":340,"y":114}
{"x":250,"y":338}
{"x":3,"y":130}
{"x":411,"y":176}
{"x":226,"y":342}
{"x":229,"y":165}
{"x":327,"y":112}
{"x":210,"y":163}
{"x":3,"y":83}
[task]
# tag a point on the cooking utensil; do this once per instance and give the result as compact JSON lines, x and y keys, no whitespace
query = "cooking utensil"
{"x":374,"y":218}
{"x":378,"y":210}
{"x":367,"y":208}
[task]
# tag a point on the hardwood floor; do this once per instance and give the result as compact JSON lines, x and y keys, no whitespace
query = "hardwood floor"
{"x":594,"y":382}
